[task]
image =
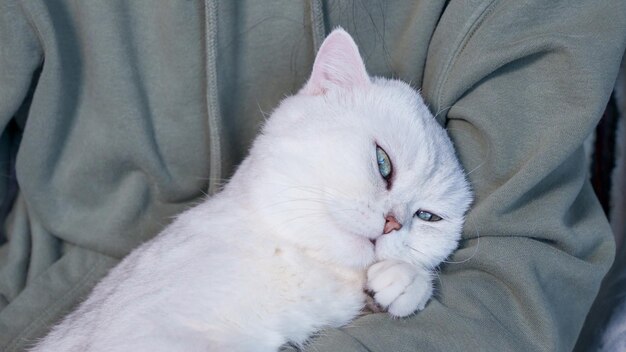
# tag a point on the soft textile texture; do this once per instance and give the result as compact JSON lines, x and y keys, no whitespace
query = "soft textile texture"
{"x":519,"y":84}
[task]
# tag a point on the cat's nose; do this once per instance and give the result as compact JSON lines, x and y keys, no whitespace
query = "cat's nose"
{"x":391,"y":224}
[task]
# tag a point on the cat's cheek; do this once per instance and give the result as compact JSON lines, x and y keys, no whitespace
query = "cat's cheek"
{"x":357,"y":214}
{"x":354,"y":251}
{"x":361,"y":222}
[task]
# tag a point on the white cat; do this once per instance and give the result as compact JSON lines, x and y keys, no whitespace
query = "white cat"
{"x":349,"y":171}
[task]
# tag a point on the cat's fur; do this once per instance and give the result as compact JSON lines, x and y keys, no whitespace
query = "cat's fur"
{"x":284,"y":249}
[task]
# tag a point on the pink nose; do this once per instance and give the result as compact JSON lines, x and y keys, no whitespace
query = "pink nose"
{"x":391,"y":224}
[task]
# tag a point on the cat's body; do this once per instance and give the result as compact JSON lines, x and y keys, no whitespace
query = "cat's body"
{"x":347,"y":172}
{"x":211,"y":292}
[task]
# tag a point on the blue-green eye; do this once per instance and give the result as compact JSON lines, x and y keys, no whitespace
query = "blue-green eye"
{"x":384,"y":164}
{"x":427,"y":216}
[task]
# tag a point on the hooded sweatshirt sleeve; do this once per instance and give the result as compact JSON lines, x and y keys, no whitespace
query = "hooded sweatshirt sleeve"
{"x":106,"y":102}
{"x":20,"y":57}
{"x":519,"y":86}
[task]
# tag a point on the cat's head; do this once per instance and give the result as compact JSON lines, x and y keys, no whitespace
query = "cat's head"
{"x":357,"y":169}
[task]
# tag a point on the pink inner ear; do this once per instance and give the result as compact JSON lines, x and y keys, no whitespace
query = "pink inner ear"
{"x":337,"y":65}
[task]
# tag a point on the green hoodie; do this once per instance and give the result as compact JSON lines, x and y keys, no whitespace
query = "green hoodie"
{"x":116,"y":115}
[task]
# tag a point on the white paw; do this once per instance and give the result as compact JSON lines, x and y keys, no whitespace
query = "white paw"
{"x":399,"y":287}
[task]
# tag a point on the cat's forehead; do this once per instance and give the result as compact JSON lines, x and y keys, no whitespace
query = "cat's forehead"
{"x":400,"y":120}
{"x":419,"y":147}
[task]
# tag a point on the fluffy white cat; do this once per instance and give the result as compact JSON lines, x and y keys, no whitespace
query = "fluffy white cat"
{"x":348,"y":172}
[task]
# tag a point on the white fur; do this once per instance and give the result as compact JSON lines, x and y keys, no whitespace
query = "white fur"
{"x":283,"y":250}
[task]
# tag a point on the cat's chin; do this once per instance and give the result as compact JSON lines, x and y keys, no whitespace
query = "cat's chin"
{"x":386,"y":248}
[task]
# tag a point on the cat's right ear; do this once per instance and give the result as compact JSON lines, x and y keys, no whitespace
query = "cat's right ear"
{"x":338,"y":64}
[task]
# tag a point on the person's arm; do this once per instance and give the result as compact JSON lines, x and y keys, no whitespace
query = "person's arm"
{"x":31,"y":298}
{"x":20,"y":57}
{"x":519,"y":85}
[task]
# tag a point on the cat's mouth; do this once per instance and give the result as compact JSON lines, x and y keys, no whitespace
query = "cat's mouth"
{"x":391,"y":224}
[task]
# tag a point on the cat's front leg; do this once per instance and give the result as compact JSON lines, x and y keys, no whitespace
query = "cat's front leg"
{"x":399,"y":287}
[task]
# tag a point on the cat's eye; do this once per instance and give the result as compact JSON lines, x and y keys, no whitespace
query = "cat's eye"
{"x":427,"y":216}
{"x":384,"y":163}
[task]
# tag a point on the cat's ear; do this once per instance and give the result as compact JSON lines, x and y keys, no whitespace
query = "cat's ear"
{"x":338,"y":64}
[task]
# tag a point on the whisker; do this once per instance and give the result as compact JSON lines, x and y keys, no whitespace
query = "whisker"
{"x":415,"y":249}
{"x":476,"y":248}
{"x":435,"y":273}
{"x":441,"y":111}
{"x":467,"y":135}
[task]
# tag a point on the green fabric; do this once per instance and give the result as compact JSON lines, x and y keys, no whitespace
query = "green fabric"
{"x":114,"y":112}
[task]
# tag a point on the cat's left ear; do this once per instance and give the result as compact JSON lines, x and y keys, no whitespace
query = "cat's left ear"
{"x":338,"y":64}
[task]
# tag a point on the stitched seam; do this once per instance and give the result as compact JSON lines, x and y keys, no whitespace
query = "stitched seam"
{"x":48,"y":311}
{"x":443,"y":80}
{"x":31,"y":23}
{"x":317,"y":23}
{"x":359,"y":342}
{"x":212,"y":101}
